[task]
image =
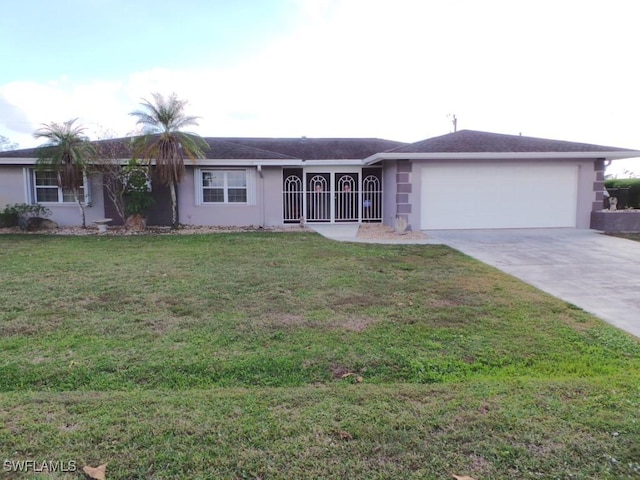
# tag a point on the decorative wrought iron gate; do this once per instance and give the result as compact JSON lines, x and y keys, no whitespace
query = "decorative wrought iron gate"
{"x":346,"y":197}
{"x":318,"y":197}
{"x":292,"y":191}
{"x":332,"y":197}
{"x":371,"y":199}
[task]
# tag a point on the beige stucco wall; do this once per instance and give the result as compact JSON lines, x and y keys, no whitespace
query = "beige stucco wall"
{"x":389,"y":171}
{"x":586,"y":178}
{"x":13,"y":189}
{"x":264,"y":210}
{"x":69,"y":214}
{"x":12,"y":186}
{"x":272,"y":196}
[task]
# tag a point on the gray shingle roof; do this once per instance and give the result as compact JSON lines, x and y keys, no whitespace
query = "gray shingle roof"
{"x":470,"y":141}
{"x":318,"y":148}
{"x":257,"y":148}
{"x":220,"y":149}
{"x":22,"y":153}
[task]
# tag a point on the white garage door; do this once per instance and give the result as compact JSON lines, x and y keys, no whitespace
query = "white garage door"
{"x":498,"y":195}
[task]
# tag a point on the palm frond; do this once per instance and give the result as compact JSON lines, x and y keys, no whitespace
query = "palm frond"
{"x":67,"y":151}
{"x":166,"y":144}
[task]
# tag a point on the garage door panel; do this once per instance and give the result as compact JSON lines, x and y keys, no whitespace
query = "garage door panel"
{"x":500,"y":195}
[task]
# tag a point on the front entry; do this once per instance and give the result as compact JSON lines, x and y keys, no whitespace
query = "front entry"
{"x":346,"y":197}
{"x":332,"y":197}
{"x":318,"y":197}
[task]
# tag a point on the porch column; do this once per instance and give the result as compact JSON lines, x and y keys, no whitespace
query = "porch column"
{"x":403,"y":189}
{"x":598,"y":185}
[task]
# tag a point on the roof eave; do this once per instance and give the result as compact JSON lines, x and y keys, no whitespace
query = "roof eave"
{"x":239,"y":162}
{"x":205,"y":161}
{"x":17,"y":161}
{"x":335,"y":162}
{"x":605,"y":155}
{"x":275,"y":162}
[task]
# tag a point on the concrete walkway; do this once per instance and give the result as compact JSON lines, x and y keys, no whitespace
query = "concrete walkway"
{"x":343,"y":233}
{"x":597,"y":273}
{"x":348,"y":232}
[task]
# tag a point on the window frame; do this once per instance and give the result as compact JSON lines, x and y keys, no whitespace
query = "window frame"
{"x":248,"y":180}
{"x":86,"y":195}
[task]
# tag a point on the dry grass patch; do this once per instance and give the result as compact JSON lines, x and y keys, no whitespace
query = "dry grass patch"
{"x":358,"y":324}
{"x":288,"y":322}
{"x":282,"y":320}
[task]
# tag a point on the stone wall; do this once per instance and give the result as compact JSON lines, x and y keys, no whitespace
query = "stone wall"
{"x":623,"y":221}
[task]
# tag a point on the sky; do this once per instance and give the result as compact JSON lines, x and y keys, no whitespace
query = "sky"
{"x":394,"y":69}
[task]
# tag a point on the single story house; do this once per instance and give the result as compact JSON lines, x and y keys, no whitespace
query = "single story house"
{"x":462,"y":180}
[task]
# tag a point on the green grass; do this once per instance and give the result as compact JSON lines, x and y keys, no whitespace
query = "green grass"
{"x":628,"y":236}
{"x":284,"y":355}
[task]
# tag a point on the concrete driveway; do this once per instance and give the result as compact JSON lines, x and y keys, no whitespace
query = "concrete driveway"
{"x":597,"y":273}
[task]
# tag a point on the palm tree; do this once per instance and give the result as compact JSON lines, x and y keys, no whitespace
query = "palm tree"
{"x":165,"y":144}
{"x":67,"y":152}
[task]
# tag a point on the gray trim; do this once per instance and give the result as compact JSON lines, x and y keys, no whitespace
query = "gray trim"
{"x":404,"y":166}
{"x":404,"y":208}
{"x":402,"y":198}
{"x":403,"y":187}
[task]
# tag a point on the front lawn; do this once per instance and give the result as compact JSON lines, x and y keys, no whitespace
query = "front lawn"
{"x":285,"y":355}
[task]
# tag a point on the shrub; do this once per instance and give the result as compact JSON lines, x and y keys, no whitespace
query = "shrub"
{"x":8,"y":217}
{"x":634,"y":188}
{"x":13,"y":215}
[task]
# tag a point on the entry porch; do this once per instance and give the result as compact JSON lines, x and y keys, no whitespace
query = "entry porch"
{"x":332,"y":195}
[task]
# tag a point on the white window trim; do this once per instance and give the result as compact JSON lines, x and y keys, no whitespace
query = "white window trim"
{"x":34,"y":191}
{"x":251,"y":186}
{"x":28,"y":185}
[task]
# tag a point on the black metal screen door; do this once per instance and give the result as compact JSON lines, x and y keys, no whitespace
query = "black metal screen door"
{"x":318,"y":197}
{"x":346,"y":197}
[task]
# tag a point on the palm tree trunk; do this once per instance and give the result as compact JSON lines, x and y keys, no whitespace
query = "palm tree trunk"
{"x":174,"y":205}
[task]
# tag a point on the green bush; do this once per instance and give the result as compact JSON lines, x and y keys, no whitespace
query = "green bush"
{"x":12,"y":214}
{"x":634,"y":188}
{"x":8,"y":218}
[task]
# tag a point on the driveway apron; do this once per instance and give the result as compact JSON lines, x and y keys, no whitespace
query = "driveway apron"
{"x":595,"y":272}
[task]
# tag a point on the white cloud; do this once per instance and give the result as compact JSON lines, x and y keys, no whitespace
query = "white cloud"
{"x":392,"y":70}
{"x":96,"y":104}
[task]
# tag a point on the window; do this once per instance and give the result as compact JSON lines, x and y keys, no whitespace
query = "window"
{"x":224,"y":186}
{"x":46,"y":189}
